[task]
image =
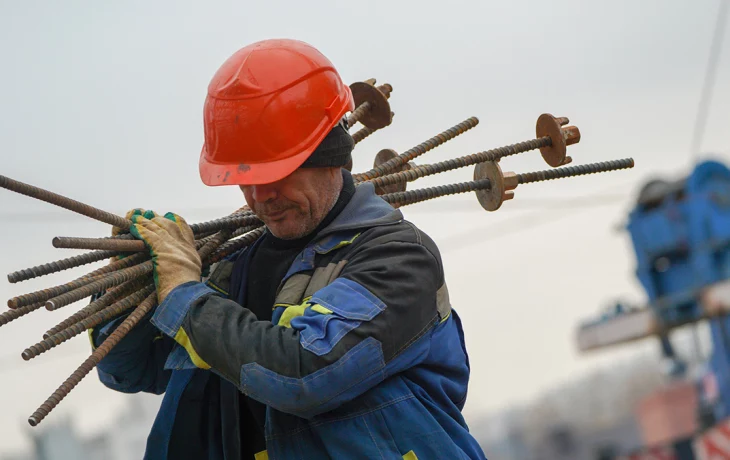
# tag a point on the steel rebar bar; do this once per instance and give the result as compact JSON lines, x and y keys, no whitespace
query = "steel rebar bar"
{"x":364,"y":132}
{"x":114,"y":294}
{"x":118,"y":245}
{"x":395,"y":163}
{"x":100,"y":285}
{"x":365,"y":107}
{"x":460,"y":162}
{"x":64,"y":202}
{"x":59,"y":265}
{"x":11,"y":315}
{"x":97,"y":318}
{"x":416,"y":196}
{"x":96,"y":356}
{"x":233,"y":245}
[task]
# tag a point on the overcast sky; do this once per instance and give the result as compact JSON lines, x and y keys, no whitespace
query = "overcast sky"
{"x":103,"y":102}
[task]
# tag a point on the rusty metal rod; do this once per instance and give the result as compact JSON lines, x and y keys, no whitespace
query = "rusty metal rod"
{"x":233,"y":245}
{"x":395,"y":163}
{"x":97,"y":318}
{"x":71,"y":242}
{"x":573,"y":171}
{"x":123,"y":329}
{"x":460,"y":162}
{"x":231,"y":222}
{"x":102,"y":284}
{"x":48,"y":293}
{"x":96,"y":256}
{"x":59,"y":265}
{"x":364,"y":108}
{"x":215,"y":242}
{"x":399,"y":199}
{"x":64,"y":202}
{"x":116,"y":245}
{"x":96,"y":356}
{"x":45,"y":294}
{"x":12,"y":315}
{"x":362,"y":133}
{"x":114,"y":294}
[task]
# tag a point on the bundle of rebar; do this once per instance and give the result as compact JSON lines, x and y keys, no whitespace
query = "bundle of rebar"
{"x":125,"y":286}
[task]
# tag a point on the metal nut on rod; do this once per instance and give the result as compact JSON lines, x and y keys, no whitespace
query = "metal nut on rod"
{"x":384,"y":156}
{"x":502,"y":185}
{"x":560,"y":135}
{"x":372,"y":106}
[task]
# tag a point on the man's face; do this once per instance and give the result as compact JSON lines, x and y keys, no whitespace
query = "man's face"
{"x":293,"y":206}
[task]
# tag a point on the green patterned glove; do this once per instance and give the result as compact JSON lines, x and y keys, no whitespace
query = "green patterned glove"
{"x":172,"y":247}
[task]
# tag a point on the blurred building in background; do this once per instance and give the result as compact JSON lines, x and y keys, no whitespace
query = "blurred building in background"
{"x":59,"y":440}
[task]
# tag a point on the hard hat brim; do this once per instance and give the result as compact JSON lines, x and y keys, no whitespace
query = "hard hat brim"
{"x":216,"y":174}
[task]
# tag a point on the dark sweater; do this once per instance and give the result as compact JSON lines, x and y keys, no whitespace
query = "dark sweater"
{"x":272,"y":259}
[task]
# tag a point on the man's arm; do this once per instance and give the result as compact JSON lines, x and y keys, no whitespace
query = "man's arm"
{"x":373,"y":321}
{"x":136,"y":363}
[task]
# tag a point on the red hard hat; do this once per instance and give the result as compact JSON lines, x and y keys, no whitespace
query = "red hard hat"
{"x":268,"y":107}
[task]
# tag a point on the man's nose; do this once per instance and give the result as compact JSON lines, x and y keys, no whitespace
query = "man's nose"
{"x":263,"y":193}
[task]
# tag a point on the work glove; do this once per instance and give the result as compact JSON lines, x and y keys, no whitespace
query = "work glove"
{"x":118,"y":230}
{"x":172,"y":248}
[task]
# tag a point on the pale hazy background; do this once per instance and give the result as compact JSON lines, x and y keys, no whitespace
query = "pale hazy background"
{"x":102,"y":102}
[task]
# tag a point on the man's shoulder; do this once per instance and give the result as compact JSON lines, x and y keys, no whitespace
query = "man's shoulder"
{"x":401,"y":233}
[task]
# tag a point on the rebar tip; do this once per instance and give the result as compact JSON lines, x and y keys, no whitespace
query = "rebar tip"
{"x":50,"y":306}
{"x":33,"y":421}
{"x":27,"y":354}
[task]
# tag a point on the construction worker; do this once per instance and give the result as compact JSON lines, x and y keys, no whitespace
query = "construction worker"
{"x":332,"y":335}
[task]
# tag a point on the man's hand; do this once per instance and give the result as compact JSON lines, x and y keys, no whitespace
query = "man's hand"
{"x":172,"y":247}
{"x":118,"y":231}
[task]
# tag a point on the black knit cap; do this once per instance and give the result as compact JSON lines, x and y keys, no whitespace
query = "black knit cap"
{"x":334,"y":150}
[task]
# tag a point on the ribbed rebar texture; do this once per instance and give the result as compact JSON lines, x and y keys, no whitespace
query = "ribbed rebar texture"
{"x":231,"y":246}
{"x":395,"y":163}
{"x":244,"y":230}
{"x":134,"y":259}
{"x":106,"y":282}
{"x":362,"y":133}
{"x":45,"y":294}
{"x":119,"y":245}
{"x":97,"y":318}
{"x":135,"y":317}
{"x":112,"y":295}
{"x":64,"y":202}
{"x":364,"y":108}
{"x":572,"y":171}
{"x":358,"y":113}
{"x":11,"y":315}
{"x":59,"y":265}
{"x":460,"y":162}
{"x":399,"y":199}
{"x":215,"y":242}
{"x":49,"y":293}
{"x":230,"y":222}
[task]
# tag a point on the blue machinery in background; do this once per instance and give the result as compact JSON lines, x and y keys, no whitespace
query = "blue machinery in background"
{"x":681,"y":236}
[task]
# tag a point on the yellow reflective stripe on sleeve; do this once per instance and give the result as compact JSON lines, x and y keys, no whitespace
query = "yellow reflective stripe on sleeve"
{"x":182,"y":338}
{"x":263,"y":455}
{"x":410,"y":456}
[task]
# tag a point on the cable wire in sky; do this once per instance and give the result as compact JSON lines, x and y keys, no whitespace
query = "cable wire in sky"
{"x":709,"y":82}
